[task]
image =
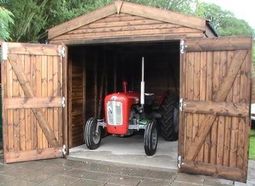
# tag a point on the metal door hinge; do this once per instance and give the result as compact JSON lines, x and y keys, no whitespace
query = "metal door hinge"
{"x":181,"y":104}
{"x":64,"y":150}
{"x":63,"y":102}
{"x":62,"y":51}
{"x":4,"y":52}
{"x":179,"y":161}
{"x":182,"y":47}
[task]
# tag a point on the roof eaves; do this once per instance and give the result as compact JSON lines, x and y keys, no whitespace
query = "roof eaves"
{"x":81,"y":21}
{"x":163,"y":15}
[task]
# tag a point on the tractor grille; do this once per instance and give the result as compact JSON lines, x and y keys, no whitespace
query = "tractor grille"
{"x":114,"y":113}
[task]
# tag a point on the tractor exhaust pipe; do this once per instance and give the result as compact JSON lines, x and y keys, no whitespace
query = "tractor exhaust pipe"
{"x":142,"y":85}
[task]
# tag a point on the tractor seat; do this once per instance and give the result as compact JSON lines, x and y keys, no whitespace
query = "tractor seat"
{"x":149,"y":98}
{"x":149,"y":94}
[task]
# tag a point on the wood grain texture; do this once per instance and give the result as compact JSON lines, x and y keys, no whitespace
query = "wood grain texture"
{"x":129,"y":26}
{"x":219,"y":44}
{"x":119,"y":8}
{"x":13,"y":157}
{"x":45,"y":102}
{"x":77,"y":99}
{"x":217,"y":171}
{"x":220,"y":95}
{"x":29,"y":93}
{"x":28,"y":101}
{"x":223,"y":105}
{"x":217,"y":108}
{"x":82,"y":20}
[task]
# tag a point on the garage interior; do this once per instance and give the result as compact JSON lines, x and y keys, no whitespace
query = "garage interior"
{"x":96,"y":70}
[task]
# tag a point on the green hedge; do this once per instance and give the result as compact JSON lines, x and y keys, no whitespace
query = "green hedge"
{"x":252,"y":145}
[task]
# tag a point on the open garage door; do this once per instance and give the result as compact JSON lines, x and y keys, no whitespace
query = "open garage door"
{"x":33,"y":91}
{"x":215,"y":92}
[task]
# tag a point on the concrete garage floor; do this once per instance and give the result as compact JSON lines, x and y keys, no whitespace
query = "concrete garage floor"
{"x":129,"y":150}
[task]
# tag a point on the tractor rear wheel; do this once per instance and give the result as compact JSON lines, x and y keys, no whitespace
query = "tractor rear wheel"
{"x":169,"y":121}
{"x":91,"y":136}
{"x":151,"y":138}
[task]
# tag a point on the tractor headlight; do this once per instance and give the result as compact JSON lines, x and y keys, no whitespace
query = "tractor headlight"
{"x":114,"y":113}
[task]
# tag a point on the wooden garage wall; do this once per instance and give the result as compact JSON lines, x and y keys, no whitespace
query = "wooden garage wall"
{"x":82,"y":91}
{"x":76,"y":96}
{"x":125,"y":26}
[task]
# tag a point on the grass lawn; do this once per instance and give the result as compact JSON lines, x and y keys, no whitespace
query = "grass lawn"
{"x":252,"y":145}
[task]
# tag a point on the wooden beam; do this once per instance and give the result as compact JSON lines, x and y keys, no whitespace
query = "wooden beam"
{"x":82,"y":20}
{"x":33,"y":49}
{"x":218,"y":44}
{"x":163,"y":15}
{"x":216,"y":108}
{"x":13,"y":157}
{"x":220,"y":96}
{"x":122,"y":39}
{"x":65,"y":120}
{"x":18,"y":103}
{"x":217,"y":170}
{"x":28,"y":92}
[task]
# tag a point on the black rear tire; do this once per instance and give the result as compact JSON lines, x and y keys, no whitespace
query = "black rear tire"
{"x":91,"y":137}
{"x":150,"y":138}
{"x":169,"y":121}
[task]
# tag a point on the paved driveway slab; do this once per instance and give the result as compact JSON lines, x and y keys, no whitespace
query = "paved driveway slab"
{"x":59,"y":172}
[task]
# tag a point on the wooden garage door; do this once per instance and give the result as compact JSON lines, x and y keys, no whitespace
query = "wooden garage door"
{"x":32,"y":91}
{"x":215,"y":92}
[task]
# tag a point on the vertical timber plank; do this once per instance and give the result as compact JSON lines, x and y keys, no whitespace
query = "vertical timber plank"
{"x":235,"y":123}
{"x":246,"y":127}
{"x":16,"y":124}
{"x":228,"y":127}
{"x":216,"y":79}
{"x":65,"y":138}
{"x":34,"y":88}
{"x":189,"y":93}
{"x":182,"y":117}
{"x":209,"y":74}
{"x":50,"y":92}
{"x":4,"y":83}
{"x":70,"y":75}
{"x":28,"y":112}
{"x":60,"y":110}
{"x":22,"y":114}
{"x":44,"y":94}
{"x":196,"y":95}
{"x":203,"y":71}
{"x":221,"y":123}
{"x":9,"y":112}
{"x":39,"y":94}
{"x":55,"y":93}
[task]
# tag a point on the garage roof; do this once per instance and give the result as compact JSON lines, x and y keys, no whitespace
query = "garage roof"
{"x":133,"y":9}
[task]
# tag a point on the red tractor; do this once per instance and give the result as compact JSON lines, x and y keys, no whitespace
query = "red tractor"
{"x":126,"y":112}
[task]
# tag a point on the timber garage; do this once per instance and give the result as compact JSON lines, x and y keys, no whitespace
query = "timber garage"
{"x":50,"y":91}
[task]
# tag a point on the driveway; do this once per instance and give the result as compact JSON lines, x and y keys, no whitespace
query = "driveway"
{"x":59,"y":172}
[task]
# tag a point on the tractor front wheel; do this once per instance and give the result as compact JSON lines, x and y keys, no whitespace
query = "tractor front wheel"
{"x":151,"y":138}
{"x":91,"y":136}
